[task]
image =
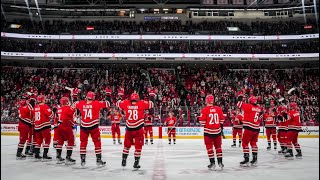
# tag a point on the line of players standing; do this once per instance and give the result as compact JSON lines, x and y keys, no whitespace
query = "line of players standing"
{"x":35,"y":126}
{"x":274,"y":118}
{"x":134,"y":109}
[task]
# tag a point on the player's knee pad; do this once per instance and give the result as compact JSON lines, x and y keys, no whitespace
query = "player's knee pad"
{"x":83,"y":143}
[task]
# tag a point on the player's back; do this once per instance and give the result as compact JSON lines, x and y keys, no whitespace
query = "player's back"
{"x":294,"y":122}
{"x":42,"y":115}
{"x":66,"y":115}
{"x":90,"y":112}
{"x":251,"y":115}
{"x":25,"y":113}
{"x":282,"y":124}
{"x":212,"y":117}
{"x":134,"y":113}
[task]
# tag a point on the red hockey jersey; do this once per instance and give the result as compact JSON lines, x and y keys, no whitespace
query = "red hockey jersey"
{"x":282,"y":125}
{"x":171,"y":122}
{"x":66,"y":116}
{"x":269,"y":120}
{"x":148,"y":120}
{"x":251,"y":115}
{"x":294,"y":122}
{"x":90,"y":112}
{"x":134,"y":113}
{"x":237,"y":121}
{"x":211,"y":117}
{"x":26,"y":114}
{"x":42,"y":115}
{"x":115,"y":118}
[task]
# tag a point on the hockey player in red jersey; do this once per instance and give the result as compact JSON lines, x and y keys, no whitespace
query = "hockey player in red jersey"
{"x":42,"y":126}
{"x":115,"y":118}
{"x":25,"y":125}
{"x":32,"y":138}
{"x":282,"y":128}
{"x":148,"y":127}
{"x":55,"y":124}
{"x":134,"y":112}
{"x":64,"y":131}
{"x":211,"y":118}
{"x":271,"y":130}
{"x":237,"y":128}
{"x":171,"y":123}
{"x":294,"y":127}
{"x":251,"y":113}
{"x":90,"y":113}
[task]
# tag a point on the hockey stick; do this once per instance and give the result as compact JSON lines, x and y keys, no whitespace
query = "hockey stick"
{"x":71,"y":91}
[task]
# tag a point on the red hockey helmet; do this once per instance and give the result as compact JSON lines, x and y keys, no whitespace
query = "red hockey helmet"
{"x":75,"y":92}
{"x":22,"y":102}
{"x":90,"y":95}
{"x":293,"y":105}
{"x":40,"y":98}
{"x":253,"y":100}
{"x":210,"y":99}
{"x":134,"y":97}
{"x":64,"y":100}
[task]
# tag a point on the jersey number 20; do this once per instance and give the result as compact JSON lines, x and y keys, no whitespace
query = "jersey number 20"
{"x":214,"y":118}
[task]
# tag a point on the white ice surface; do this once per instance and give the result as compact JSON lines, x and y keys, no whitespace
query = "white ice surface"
{"x":187,"y":160}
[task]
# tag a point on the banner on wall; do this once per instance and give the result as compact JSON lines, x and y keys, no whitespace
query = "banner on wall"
{"x":160,"y":37}
{"x":182,"y":132}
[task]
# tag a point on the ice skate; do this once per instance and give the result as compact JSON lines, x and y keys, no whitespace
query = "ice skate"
{"x":83,"y":160}
{"x":119,"y":142}
{"x":20,"y":156}
{"x":100,"y":163}
{"x":37,"y":157}
{"x":254,"y":161}
{"x":60,"y":160}
{"x":70,"y":161}
{"x":136,"y":165}
{"x":289,"y":155}
{"x":299,"y":154}
{"x":46,"y":158}
{"x":233,"y":145}
{"x":245,"y":162}
{"x":220,"y":164}
{"x":212,"y":167}
{"x":124,"y":162}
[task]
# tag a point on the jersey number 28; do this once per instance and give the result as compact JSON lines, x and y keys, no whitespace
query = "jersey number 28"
{"x":133,"y":114}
